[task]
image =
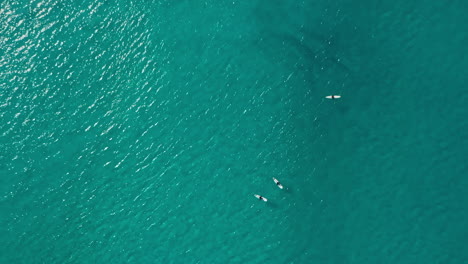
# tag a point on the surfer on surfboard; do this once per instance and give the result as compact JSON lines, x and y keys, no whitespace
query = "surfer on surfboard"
{"x":260,"y":197}
{"x":277,"y":183}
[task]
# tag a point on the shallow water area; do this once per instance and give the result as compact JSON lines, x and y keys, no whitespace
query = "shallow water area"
{"x":138,"y":132}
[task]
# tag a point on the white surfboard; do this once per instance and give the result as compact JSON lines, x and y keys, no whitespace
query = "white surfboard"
{"x":333,"y":96}
{"x":261,"y":197}
{"x":277,"y":183}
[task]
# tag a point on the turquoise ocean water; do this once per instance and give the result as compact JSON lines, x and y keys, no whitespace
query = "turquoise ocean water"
{"x":138,"y":131}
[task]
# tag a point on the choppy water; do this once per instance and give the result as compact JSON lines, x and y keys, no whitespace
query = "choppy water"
{"x":138,"y":131}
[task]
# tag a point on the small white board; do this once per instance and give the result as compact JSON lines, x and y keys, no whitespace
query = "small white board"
{"x":278,"y":183}
{"x":261,"y":197}
{"x":333,"y":96}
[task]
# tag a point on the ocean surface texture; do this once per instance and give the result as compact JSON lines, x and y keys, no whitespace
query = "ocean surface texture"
{"x":139,"y":131}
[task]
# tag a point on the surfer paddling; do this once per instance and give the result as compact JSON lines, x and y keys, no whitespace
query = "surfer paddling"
{"x":278,"y":183}
{"x":260,"y":197}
